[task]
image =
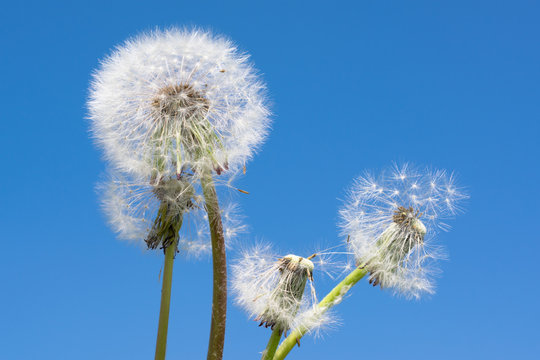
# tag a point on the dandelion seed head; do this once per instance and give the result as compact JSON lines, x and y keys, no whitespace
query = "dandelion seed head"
{"x":273,"y":289}
{"x":132,"y":207}
{"x":170,"y":100}
{"x":391,"y":221}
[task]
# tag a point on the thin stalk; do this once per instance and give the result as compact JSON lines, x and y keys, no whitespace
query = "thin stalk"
{"x":333,"y":298}
{"x":219,"y":260}
{"x":178,"y":153}
{"x":272,"y":345}
{"x":161,"y":343}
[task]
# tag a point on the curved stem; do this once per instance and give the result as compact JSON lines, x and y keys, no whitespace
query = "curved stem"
{"x":272,"y":345}
{"x":161,"y":343}
{"x":334,"y":297}
{"x":219,"y":260}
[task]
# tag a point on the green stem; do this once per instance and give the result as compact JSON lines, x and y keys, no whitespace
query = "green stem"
{"x":219,"y":299}
{"x":272,"y":345}
{"x":161,"y":343}
{"x":333,"y":298}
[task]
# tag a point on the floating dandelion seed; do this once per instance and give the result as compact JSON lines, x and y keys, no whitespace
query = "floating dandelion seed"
{"x":390,"y":221}
{"x":177,"y":99}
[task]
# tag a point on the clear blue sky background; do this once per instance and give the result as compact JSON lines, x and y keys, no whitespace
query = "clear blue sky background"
{"x":354,"y":85}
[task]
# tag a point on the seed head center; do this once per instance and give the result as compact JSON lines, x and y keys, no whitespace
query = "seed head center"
{"x":405,"y":216}
{"x":180,"y":101}
{"x":409,"y":218}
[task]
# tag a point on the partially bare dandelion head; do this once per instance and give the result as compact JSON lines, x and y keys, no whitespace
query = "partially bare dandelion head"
{"x":153,"y":213}
{"x":287,"y":295}
{"x":390,"y":221}
{"x":272,"y":288}
{"x":175,"y":196}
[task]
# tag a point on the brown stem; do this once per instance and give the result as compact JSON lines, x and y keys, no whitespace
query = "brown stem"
{"x":219,"y":300}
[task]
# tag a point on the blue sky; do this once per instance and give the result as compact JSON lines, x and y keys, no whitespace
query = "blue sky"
{"x":354,"y":86}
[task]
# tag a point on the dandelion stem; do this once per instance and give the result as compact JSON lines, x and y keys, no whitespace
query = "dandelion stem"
{"x":333,"y":298}
{"x":161,"y":343}
{"x":178,"y":153}
{"x":272,"y":345}
{"x":219,"y":300}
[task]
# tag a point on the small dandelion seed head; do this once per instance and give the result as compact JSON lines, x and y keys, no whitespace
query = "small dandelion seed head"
{"x":272,"y":289}
{"x":152,"y":214}
{"x":391,"y":221}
